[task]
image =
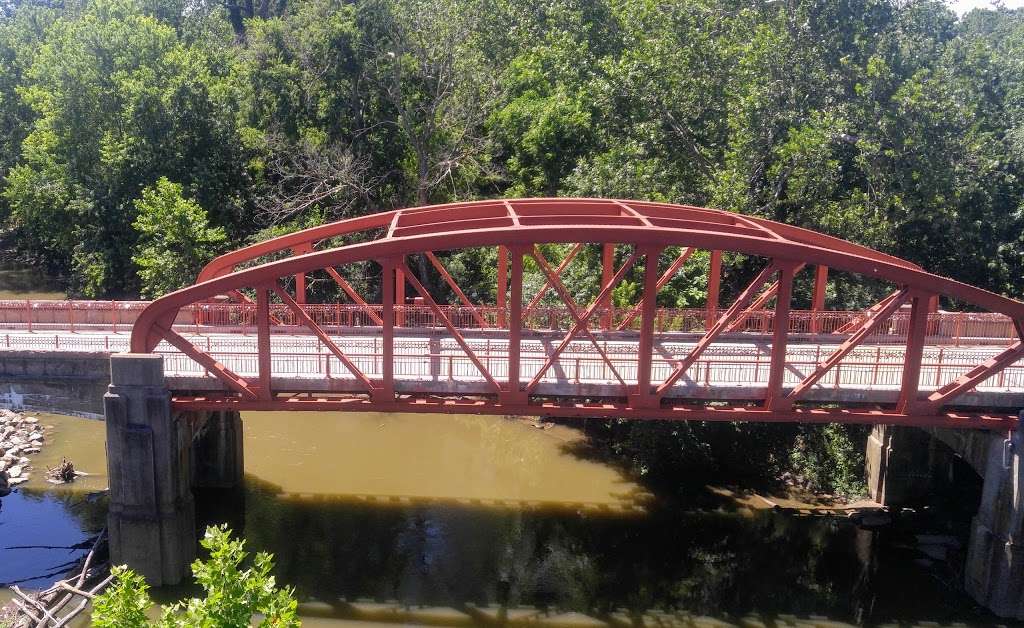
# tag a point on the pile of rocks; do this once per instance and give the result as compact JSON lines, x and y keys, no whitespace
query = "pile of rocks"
{"x":20,"y":436}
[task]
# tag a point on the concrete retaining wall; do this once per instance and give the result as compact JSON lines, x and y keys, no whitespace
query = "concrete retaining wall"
{"x":65,"y":382}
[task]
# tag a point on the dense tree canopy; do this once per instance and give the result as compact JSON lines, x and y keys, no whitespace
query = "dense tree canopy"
{"x":891,"y":123}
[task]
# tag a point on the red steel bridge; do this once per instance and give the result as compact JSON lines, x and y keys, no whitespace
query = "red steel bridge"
{"x":246,"y":337}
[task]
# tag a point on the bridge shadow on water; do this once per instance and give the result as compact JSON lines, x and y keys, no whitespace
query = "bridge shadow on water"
{"x":694,"y":556}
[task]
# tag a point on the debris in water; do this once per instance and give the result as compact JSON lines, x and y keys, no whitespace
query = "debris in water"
{"x":62,"y":473}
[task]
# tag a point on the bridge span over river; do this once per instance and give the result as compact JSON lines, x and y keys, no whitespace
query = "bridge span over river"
{"x":247,"y":336}
{"x":406,"y":335}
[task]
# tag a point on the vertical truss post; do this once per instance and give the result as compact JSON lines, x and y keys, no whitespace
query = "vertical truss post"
{"x":399,"y":298}
{"x":300,"y":288}
{"x":502,"y":284}
{"x":263,"y":340}
{"x":775,"y":399}
{"x":300,"y":278}
{"x":914,"y":354}
{"x":513,"y":393}
{"x":607,"y":271}
{"x":643,"y":397}
{"x":818,"y":300}
{"x":714,"y":284}
{"x":386,"y":392}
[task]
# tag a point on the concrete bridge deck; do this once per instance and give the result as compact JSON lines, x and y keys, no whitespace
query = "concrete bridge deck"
{"x":428,"y":360}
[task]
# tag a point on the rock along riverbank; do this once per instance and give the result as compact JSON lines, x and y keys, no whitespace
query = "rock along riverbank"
{"x":20,"y":436}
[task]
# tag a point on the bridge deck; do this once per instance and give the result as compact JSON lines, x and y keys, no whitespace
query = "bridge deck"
{"x":428,"y":361}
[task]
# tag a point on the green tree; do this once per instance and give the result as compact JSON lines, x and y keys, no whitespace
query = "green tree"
{"x":545,"y":124}
{"x":233,"y":595}
{"x":119,"y":101}
{"x":429,"y":74}
{"x":175,"y":239}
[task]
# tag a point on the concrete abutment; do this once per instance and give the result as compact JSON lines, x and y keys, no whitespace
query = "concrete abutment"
{"x":154,"y":458}
{"x":994,"y":575}
{"x":901,"y":462}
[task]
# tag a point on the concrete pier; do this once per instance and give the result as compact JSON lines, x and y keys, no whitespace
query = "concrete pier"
{"x":218,"y":459}
{"x":152,"y":516}
{"x":154,"y":459}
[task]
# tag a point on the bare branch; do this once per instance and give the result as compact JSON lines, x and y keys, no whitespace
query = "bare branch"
{"x":304,"y":177}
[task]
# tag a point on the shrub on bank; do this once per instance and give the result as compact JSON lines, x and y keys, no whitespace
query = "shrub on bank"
{"x":233,"y":595}
{"x":830,"y":458}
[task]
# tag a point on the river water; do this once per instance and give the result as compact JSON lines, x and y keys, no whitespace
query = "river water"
{"x":460,"y":519}
{"x":18,"y":281}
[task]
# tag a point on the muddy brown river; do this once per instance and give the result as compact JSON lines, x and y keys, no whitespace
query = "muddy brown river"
{"x":457,"y":520}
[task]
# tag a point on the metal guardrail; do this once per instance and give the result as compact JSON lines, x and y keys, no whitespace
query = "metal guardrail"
{"x":723,"y":365}
{"x":947,"y":328}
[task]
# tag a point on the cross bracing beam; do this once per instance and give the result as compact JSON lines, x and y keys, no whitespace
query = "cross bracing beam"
{"x":581,"y":321}
{"x":875,"y":318}
{"x":720,"y":326}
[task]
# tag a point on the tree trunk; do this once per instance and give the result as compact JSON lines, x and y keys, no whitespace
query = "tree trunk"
{"x":422,"y":198}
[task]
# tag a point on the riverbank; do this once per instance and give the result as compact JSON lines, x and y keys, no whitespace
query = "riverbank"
{"x":21,"y":436}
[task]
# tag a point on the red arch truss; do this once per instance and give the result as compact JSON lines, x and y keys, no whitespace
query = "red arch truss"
{"x":586,"y":359}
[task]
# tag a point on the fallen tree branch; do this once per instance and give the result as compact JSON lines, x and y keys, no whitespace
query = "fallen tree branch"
{"x":34,"y":602}
{"x":51,"y":601}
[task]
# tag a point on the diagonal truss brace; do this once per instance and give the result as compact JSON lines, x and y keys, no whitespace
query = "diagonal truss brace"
{"x":352,"y":294}
{"x":480,"y":320}
{"x":662,"y":281}
{"x":547,"y":279}
{"x":223,"y":373}
{"x":875,"y":318}
{"x":761,"y":301}
{"x":977,"y":375}
{"x":581,"y":322}
{"x":322,"y":335}
{"x":720,"y":326}
{"x":447,"y":323}
{"x":570,"y":305}
{"x":852,"y":325}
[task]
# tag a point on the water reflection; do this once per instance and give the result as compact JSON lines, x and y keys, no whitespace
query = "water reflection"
{"x":18,"y":281}
{"x":43,"y":534}
{"x":454,"y":519}
{"x":457,"y":520}
{"x":705,"y":562}
{"x":373,"y":560}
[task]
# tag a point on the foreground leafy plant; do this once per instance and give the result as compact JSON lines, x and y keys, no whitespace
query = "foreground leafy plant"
{"x":233,"y":595}
{"x":124,"y":603}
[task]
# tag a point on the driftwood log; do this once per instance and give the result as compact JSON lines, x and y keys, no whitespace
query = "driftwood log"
{"x":44,"y":609}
